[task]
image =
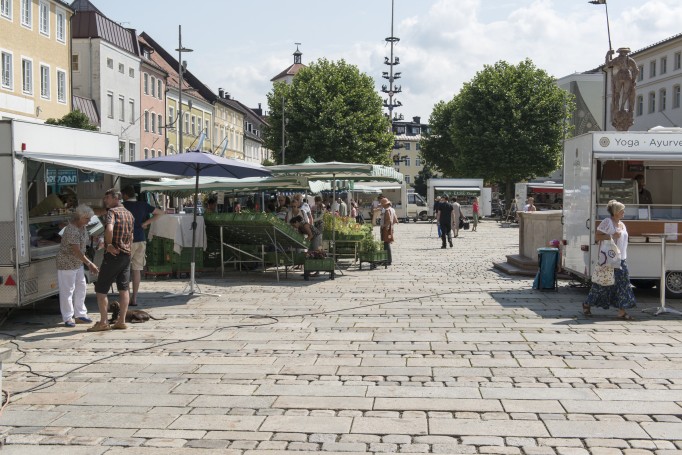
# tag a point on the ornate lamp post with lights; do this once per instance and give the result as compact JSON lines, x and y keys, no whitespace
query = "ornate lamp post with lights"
{"x":391,"y":90}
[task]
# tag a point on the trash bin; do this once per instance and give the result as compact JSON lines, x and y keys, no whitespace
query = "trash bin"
{"x":548,"y":259}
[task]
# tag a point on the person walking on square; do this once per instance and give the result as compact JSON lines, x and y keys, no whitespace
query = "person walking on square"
{"x":476,"y":212}
{"x":141,"y":213}
{"x":445,"y":218}
{"x":620,"y":293}
{"x":70,"y":272}
{"x":436,"y":206}
{"x":118,"y":241}
{"x":456,"y":216}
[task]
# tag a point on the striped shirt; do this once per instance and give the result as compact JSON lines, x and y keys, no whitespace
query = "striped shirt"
{"x":123,"y":223}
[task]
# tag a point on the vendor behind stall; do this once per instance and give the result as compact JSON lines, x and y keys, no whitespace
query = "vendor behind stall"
{"x":67,"y":199}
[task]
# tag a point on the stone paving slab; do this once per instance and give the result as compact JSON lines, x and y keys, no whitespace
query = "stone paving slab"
{"x":435,"y":354}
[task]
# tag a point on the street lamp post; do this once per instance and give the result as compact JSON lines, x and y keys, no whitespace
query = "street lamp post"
{"x":606,"y":74}
{"x":181,"y":69}
{"x":283,"y":140}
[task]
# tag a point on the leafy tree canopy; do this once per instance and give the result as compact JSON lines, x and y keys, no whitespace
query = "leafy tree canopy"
{"x":506,"y":125}
{"x":332,"y":112}
{"x":74,"y":119}
{"x":421,"y":179}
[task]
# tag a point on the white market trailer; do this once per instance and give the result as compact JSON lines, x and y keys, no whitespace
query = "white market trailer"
{"x":553,"y":191}
{"x":36,"y":159}
{"x":464,"y":190}
{"x":408,"y":205}
{"x":600,"y":166}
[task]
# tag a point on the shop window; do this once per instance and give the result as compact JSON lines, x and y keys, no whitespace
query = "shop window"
{"x":26,"y":13}
{"x":61,"y":26}
{"x":44,"y":18}
{"x":45,"y":81}
{"x":27,"y":76}
{"x":61,"y":86}
{"x":7,"y":71}
{"x":6,"y":9}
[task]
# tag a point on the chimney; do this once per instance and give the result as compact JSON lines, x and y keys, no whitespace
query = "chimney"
{"x":416,"y":120}
{"x":227,"y":96}
{"x":220,"y":92}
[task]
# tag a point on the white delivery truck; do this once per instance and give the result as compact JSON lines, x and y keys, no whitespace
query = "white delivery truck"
{"x":37,"y":163}
{"x":548,"y":195}
{"x":600,"y":166}
{"x":464,"y":190}
{"x":408,"y":205}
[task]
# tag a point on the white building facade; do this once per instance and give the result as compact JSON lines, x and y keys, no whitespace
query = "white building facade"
{"x":106,"y":69}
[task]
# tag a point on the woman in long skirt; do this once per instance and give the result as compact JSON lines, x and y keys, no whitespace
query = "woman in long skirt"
{"x":618,"y":295}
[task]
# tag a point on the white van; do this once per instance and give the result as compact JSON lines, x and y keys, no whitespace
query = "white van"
{"x":416,"y":207}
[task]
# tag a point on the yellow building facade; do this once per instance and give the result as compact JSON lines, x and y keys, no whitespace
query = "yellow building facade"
{"x":35,"y":59}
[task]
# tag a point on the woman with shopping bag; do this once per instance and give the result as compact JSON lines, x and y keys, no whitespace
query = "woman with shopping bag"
{"x":613,"y":238}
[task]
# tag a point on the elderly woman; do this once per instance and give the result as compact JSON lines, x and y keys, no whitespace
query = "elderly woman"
{"x":388,"y":220}
{"x":70,"y":273}
{"x":619,"y":294}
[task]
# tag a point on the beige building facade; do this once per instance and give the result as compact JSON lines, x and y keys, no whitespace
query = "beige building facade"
{"x":35,"y":59}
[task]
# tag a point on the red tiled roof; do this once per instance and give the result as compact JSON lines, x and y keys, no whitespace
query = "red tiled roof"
{"x":291,"y":71}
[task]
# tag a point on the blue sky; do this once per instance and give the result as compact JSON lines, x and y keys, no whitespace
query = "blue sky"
{"x":241,"y":45}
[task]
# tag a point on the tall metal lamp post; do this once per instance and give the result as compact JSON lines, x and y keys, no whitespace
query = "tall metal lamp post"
{"x":181,"y":70}
{"x":606,"y":76}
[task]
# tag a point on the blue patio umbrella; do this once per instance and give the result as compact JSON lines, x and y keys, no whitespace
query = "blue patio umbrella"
{"x":194,"y":164}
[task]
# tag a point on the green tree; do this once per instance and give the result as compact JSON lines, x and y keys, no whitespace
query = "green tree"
{"x":437,"y":146}
{"x":332,"y":112}
{"x":421,"y":179}
{"x":506,"y":125}
{"x":74,"y":119}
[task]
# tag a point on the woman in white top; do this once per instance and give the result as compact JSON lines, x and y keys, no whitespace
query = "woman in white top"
{"x":619,"y":294}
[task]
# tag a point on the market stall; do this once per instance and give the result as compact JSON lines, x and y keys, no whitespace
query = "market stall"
{"x":335,"y":171}
{"x":47,"y":170}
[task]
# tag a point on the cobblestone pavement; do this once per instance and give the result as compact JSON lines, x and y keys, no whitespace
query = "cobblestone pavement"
{"x":436,"y":354}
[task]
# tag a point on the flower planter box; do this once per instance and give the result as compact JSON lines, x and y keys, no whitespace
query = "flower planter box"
{"x":374,"y":257}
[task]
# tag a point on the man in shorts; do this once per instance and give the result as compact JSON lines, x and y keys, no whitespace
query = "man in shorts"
{"x":118,"y":240}
{"x":141,"y":213}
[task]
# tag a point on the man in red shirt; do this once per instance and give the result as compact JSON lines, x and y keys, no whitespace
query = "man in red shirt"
{"x":118,"y":240}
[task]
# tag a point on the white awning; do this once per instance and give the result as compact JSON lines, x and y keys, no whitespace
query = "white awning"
{"x":91,"y":164}
{"x":638,"y":156}
{"x":458,"y":188}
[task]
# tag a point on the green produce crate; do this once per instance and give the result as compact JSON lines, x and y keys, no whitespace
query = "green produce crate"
{"x":165,"y":269}
{"x":319,"y":265}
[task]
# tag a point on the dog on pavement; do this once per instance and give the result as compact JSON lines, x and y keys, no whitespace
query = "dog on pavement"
{"x":133,"y":316}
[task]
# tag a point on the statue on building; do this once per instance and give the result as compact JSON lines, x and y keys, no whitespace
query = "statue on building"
{"x":624,"y":72}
